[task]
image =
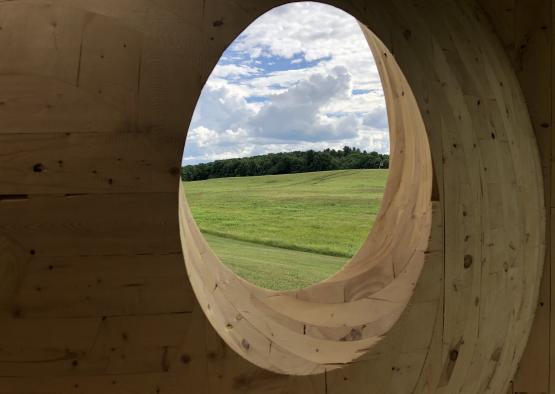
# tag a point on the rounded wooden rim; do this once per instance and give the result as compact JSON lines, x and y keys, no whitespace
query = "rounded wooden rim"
{"x":336,"y":321}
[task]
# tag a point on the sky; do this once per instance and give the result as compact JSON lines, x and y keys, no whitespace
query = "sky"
{"x":300,"y":77}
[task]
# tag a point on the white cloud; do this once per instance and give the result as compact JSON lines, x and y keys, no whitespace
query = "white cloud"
{"x":314,"y":31}
{"x":286,"y":84}
{"x":377,"y":118}
{"x":222,"y":106}
{"x":296,"y":113}
{"x":233,"y":70}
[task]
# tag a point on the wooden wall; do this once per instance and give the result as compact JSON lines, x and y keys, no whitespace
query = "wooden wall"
{"x":95,"y":98}
{"x":525,"y":28}
{"x":94,"y":296}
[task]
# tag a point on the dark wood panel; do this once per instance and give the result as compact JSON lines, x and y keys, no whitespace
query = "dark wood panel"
{"x":113,"y":345}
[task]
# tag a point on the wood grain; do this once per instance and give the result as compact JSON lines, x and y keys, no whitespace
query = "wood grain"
{"x":95,"y":97}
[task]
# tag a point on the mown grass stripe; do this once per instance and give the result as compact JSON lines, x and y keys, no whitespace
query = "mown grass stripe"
{"x":325,"y":214}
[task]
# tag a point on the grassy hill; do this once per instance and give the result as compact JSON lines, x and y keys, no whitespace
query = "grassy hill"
{"x":274,"y":268}
{"x":302,"y":226}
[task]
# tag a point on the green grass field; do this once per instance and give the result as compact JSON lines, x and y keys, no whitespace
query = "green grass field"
{"x":287,"y":231}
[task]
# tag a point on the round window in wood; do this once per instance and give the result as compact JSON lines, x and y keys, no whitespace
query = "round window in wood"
{"x":338,"y":320}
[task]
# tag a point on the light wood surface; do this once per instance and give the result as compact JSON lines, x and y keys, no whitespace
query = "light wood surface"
{"x":95,"y":99}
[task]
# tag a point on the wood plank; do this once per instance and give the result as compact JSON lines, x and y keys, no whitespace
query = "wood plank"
{"x":551,"y":28}
{"x":531,"y":52}
{"x":533,"y":373}
{"x":13,"y":262}
{"x":110,"y":63}
{"x":93,"y":225}
{"x":42,"y":39}
{"x":33,"y":104}
{"x":524,"y":28}
{"x":502,"y":15}
{"x":48,"y":342}
{"x":74,"y":347}
{"x":94,"y":52}
{"x":99,"y":286}
{"x":102,"y":48}
{"x":133,"y":344}
{"x":93,"y":384}
{"x":69,"y":163}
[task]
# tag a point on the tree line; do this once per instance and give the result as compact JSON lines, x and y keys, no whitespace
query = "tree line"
{"x":286,"y":163}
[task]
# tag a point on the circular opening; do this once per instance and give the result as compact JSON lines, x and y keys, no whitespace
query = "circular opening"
{"x":336,"y":321}
{"x":287,"y":154}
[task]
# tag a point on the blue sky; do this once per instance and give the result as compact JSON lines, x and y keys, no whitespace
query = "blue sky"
{"x":300,"y":77}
